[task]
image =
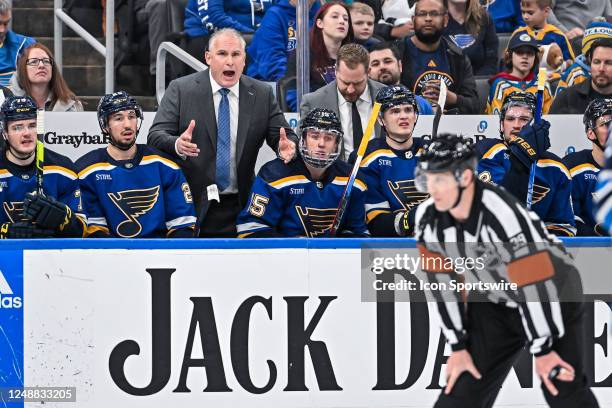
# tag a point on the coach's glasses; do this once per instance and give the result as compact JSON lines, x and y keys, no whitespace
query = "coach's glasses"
{"x":34,"y":62}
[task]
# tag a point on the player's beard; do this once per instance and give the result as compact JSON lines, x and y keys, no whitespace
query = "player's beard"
{"x":430,"y":38}
{"x":124,"y":145}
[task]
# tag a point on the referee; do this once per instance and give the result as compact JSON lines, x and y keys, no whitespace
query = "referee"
{"x":465,"y":217}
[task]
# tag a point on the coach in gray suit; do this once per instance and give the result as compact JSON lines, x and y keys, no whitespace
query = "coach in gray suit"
{"x":351,"y":96}
{"x":213,"y":123}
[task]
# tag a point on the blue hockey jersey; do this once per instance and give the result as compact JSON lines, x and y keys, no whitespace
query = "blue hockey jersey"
{"x":603,"y":196}
{"x":285,"y":202}
{"x":552,"y":187}
{"x":60,"y":181}
{"x":584,"y":170}
{"x":389,"y":176}
{"x":145,"y":197}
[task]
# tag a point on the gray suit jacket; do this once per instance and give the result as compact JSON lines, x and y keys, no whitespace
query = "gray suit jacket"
{"x":327,"y":97}
{"x":190,"y":97}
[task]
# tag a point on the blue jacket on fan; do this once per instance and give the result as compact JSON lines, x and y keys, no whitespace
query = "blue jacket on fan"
{"x":13,"y":46}
{"x":506,"y":15}
{"x":274,"y":40}
{"x":202,"y":17}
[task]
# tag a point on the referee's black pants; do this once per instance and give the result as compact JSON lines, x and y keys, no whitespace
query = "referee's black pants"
{"x":496,"y":338}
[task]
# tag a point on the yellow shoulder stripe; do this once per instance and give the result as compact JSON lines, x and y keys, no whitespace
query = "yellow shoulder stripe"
{"x":554,"y":163}
{"x":155,"y":158}
{"x":95,"y":167}
{"x":496,"y":148}
{"x":60,"y":170}
{"x":287,"y":181}
{"x":374,"y":155}
{"x":582,"y":168}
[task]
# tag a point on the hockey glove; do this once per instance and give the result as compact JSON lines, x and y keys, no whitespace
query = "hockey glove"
{"x":531,"y":143}
{"x":46,"y":212}
{"x":22,"y":230}
{"x":404,"y":223}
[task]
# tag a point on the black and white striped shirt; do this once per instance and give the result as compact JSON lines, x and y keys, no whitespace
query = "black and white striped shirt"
{"x":517,"y":249}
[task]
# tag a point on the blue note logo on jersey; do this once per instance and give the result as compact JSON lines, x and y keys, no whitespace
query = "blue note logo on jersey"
{"x":539,"y":192}
{"x":133,"y":204}
{"x":463,"y":40}
{"x":406,"y":193}
{"x":316,"y":221}
{"x":13,"y":210}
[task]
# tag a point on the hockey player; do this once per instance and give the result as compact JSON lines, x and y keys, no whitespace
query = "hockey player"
{"x":131,"y":190}
{"x":56,"y":213}
{"x":603,"y":196}
{"x":507,"y":163}
{"x":586,"y":164}
{"x":389,"y":163}
{"x":301,"y":198}
{"x":466,"y":218}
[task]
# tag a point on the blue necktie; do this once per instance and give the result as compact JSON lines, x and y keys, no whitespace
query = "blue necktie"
{"x":223,"y":141}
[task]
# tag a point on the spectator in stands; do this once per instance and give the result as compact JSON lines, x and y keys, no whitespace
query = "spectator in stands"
{"x":585,"y":165}
{"x":333,"y":28}
{"x":213,"y":123}
{"x":572,"y":16}
{"x":4,"y":93}
{"x":535,"y":14}
{"x":472,"y":29}
{"x":580,"y":70}
{"x":575,"y":99}
{"x":396,"y":19}
{"x":203,"y":17}
{"x":11,"y":44}
{"x":38,"y":77}
{"x":386,"y":68}
{"x":154,"y":14}
{"x":506,"y":14}
{"x":522,"y":61}
{"x":429,"y":58}
{"x":350,"y":96}
{"x":276,"y":210}
{"x":362,"y":17}
{"x":275,"y":39}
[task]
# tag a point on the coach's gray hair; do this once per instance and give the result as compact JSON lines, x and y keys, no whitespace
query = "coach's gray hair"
{"x":5,"y":6}
{"x":224,"y":31}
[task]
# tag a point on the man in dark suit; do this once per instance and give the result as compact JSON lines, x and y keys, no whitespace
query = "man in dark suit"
{"x":351,"y":96}
{"x":215,"y":122}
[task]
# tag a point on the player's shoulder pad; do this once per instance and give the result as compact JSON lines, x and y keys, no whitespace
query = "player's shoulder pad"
{"x":91,"y":161}
{"x":551,"y":160}
{"x":579,"y":162}
{"x":340,"y":172}
{"x":152,"y":155}
{"x":60,"y":164}
{"x":279,"y":175}
{"x":489,"y":147}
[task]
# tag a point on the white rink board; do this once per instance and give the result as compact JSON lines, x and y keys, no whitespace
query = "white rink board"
{"x":80,"y":304}
{"x":74,"y":134}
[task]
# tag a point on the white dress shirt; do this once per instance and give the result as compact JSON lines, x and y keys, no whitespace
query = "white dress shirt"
{"x":364,"y":106}
{"x":232,"y":96}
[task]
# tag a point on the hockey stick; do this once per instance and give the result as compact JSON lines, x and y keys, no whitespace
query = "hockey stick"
{"x":537,"y":117}
{"x":349,"y":185}
{"x":440,"y":111}
{"x":40,"y":150}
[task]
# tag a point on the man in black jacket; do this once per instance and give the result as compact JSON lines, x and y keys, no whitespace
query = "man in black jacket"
{"x":428,"y":58}
{"x":575,"y":99}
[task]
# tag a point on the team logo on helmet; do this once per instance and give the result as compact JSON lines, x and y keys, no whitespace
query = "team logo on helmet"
{"x":406,"y":193}
{"x":316,"y":221}
{"x":133,"y":204}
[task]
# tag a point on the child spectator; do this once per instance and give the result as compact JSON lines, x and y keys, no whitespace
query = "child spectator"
{"x":275,"y":39}
{"x":580,"y":70}
{"x":535,"y":14}
{"x":521,"y":60}
{"x":362,"y":16}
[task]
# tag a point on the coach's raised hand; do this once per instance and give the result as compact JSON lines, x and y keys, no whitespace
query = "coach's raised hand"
{"x":184,"y":147}
{"x":286,"y":147}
